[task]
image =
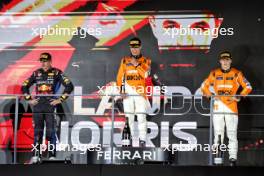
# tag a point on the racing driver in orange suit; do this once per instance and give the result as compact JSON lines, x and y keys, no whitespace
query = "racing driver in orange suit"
{"x":226,"y":82}
{"x":132,"y":74}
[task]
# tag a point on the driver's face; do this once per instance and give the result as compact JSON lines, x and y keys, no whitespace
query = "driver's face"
{"x":135,"y":51}
{"x":225,"y":63}
{"x":46,"y":65}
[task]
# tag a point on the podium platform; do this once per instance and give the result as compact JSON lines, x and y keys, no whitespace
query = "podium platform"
{"x":127,"y":170}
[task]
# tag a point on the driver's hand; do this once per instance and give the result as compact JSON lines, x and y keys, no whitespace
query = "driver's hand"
{"x":55,"y":102}
{"x":33,"y":102}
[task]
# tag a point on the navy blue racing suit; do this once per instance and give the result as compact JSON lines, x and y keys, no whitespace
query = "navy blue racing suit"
{"x":47,"y":82}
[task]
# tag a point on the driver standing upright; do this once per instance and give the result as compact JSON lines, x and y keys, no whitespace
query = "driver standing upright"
{"x":132,"y":74}
{"x":226,"y":82}
{"x":48,"y":80}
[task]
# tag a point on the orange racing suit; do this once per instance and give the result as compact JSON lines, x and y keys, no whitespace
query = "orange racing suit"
{"x":134,"y":76}
{"x":225,"y":107}
{"x":133,"y":80}
{"x":226,"y":84}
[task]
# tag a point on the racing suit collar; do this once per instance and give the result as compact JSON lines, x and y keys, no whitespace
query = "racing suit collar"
{"x":47,"y":70}
{"x":226,"y":71}
{"x":136,"y":57}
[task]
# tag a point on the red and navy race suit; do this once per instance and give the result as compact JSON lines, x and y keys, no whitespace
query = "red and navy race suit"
{"x":47,"y":82}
